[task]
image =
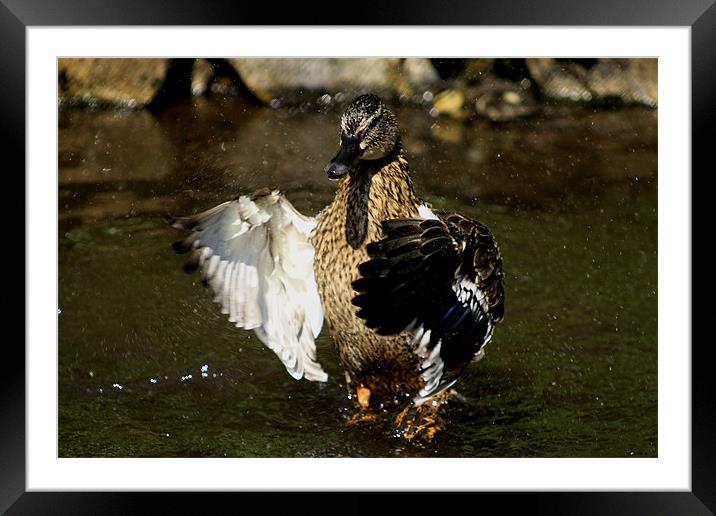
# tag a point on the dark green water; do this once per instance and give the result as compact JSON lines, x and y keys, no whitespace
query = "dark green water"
{"x":571,"y":198}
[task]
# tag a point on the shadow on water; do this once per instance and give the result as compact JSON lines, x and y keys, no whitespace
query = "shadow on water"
{"x":149,"y":367}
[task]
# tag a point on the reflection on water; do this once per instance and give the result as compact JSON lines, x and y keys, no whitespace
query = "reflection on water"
{"x":149,"y":367}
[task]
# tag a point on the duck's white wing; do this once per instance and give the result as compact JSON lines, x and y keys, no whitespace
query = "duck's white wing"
{"x":256,"y":256}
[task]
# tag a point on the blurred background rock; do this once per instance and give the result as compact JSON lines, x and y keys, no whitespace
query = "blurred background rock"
{"x":498,"y":90}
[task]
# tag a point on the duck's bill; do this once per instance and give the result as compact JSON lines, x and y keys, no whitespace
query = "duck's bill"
{"x":335,"y":171}
{"x":346,"y":158}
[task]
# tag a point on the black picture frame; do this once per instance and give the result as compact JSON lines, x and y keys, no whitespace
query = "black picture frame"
{"x":17,"y":15}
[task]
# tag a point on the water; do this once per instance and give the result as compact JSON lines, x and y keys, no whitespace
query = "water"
{"x":149,"y":367}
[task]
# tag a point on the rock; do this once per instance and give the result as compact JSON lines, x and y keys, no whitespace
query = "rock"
{"x":630,"y":81}
{"x":118,"y":82}
{"x":501,"y":95}
{"x":269,"y":78}
{"x":559,"y":81}
{"x":645,"y":72}
{"x":476,"y":69}
{"x":449,"y":102}
{"x":502,"y":101}
{"x":201,"y":77}
{"x":418,"y":75}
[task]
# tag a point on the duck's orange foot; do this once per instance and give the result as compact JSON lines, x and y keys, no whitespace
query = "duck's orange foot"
{"x":363,"y":418}
{"x":419,"y":428}
{"x":422,"y":423}
{"x":363,"y":394}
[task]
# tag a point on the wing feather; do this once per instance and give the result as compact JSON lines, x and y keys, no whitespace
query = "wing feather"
{"x":257,"y":259}
{"x":440,"y":278}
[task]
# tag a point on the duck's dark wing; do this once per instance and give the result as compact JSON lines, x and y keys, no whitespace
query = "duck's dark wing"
{"x":256,"y":256}
{"x":441,"y":279}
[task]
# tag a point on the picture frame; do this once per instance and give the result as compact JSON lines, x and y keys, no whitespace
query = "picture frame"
{"x":16,"y":16}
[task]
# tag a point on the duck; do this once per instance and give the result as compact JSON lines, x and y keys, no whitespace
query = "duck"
{"x":410,"y":295}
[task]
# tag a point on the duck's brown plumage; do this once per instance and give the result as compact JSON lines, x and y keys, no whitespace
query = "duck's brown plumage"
{"x":364,"y":199}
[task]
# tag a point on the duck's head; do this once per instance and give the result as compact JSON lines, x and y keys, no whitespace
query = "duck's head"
{"x":369,"y":131}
